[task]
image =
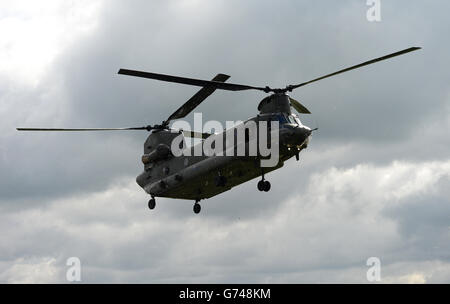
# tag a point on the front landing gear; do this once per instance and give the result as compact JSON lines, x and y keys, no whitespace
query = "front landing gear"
{"x":197,"y":207}
{"x":152,"y":203}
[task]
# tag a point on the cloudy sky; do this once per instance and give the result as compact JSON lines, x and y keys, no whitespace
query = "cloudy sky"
{"x":374,"y":181}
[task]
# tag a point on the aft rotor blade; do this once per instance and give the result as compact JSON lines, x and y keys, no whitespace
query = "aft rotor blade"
{"x":195,"y":100}
{"x":80,"y":129}
{"x":190,"y":81}
{"x":298,"y":106}
{"x":291,"y":87}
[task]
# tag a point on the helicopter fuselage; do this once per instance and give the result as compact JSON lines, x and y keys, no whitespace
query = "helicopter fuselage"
{"x":204,"y":176}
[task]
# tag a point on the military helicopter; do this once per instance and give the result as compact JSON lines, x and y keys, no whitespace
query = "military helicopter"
{"x":194,"y":177}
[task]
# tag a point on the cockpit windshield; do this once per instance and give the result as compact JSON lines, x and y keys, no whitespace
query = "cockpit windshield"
{"x":297,"y":120}
{"x":292,"y":120}
{"x":287,"y":119}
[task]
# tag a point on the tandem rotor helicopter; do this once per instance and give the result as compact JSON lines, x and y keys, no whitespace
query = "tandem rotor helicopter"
{"x":201,"y":177}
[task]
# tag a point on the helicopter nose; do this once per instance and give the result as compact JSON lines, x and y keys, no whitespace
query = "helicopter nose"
{"x":296,"y":136}
{"x":302,"y":134}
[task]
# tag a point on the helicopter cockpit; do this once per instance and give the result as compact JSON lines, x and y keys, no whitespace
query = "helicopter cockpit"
{"x":288,"y":120}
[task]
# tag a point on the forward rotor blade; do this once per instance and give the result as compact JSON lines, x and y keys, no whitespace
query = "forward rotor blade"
{"x":195,"y":134}
{"x":298,"y":106}
{"x":190,"y":81}
{"x":195,"y":100}
{"x":80,"y":129}
{"x":291,"y":87}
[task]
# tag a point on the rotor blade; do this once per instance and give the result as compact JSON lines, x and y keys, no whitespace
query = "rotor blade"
{"x":195,"y":100}
{"x":298,"y":106}
{"x":291,"y":87}
{"x":80,"y":129}
{"x":195,"y":134}
{"x":190,"y":81}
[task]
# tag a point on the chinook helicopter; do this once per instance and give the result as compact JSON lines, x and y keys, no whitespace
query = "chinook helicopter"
{"x":196,"y":177}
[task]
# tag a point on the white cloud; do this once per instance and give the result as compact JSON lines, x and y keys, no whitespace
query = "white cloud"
{"x":413,"y":278}
{"x":34,"y":33}
{"x":33,"y":270}
{"x":417,"y":272}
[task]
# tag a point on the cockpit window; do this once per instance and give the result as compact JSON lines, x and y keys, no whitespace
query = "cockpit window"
{"x":281,"y":119}
{"x":292,"y":120}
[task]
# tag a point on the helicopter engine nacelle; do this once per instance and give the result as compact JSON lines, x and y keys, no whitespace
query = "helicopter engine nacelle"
{"x":162,"y":151}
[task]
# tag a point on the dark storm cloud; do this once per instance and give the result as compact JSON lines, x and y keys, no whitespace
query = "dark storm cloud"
{"x":331,"y":226}
{"x":70,"y":185}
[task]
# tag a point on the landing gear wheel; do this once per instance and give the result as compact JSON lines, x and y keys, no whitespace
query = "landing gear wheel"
{"x":266,"y":186}
{"x":197,"y":208}
{"x":152,"y":203}
{"x":261,"y":185}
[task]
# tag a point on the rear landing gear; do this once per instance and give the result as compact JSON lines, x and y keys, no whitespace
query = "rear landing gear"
{"x":197,"y":207}
{"x":263,"y":185}
{"x":152,"y":203}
